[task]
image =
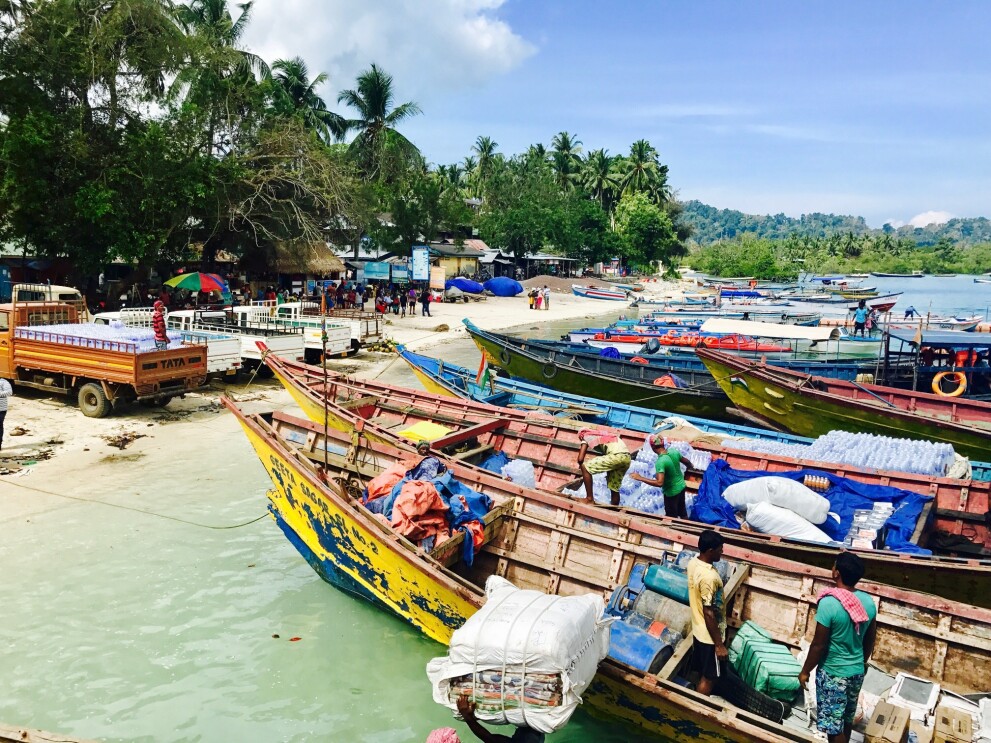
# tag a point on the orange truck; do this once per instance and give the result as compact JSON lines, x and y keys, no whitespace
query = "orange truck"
{"x":40,"y":348}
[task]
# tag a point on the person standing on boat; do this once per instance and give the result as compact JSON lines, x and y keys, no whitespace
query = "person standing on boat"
{"x":614,"y":459}
{"x":842,"y":645}
{"x":860,"y":318}
{"x":669,"y":478}
{"x":910,"y":313}
{"x":705,"y":598}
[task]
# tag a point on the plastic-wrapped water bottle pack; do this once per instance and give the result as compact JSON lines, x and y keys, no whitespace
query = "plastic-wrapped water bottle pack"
{"x":115,"y":336}
{"x":521,"y":472}
{"x":862,"y":450}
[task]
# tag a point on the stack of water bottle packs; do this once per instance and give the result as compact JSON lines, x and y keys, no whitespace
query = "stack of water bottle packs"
{"x":863,"y":450}
{"x":635,"y":494}
{"x":113,"y":337}
{"x":764,"y":665}
{"x":868,"y":528}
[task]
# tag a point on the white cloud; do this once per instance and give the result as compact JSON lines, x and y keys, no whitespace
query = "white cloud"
{"x":894,"y":223}
{"x":430,"y":48}
{"x":927,"y":218}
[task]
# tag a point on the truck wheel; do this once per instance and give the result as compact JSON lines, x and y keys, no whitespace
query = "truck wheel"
{"x":93,"y":401}
{"x":265,"y":372}
{"x":311,"y":355}
{"x":355,"y":347}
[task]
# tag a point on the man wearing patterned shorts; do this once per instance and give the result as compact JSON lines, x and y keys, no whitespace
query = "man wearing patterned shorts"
{"x":842,"y":645}
{"x":614,"y":458}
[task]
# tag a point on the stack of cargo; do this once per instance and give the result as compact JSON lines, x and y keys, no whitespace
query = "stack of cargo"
{"x":524,"y":658}
{"x":868,"y":528}
{"x":764,"y":665}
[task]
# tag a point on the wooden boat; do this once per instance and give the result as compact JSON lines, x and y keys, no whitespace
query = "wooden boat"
{"x":590,"y":374}
{"x":384,"y":412}
{"x":11,"y":734}
{"x":443,"y":378}
{"x":811,"y":406}
{"x":594,"y":292}
{"x":537,"y":542}
{"x":982,"y":281}
{"x":632,"y":342}
{"x":913,"y":275}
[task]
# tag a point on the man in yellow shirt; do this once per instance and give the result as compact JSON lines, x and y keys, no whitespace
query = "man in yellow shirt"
{"x":705,"y":597}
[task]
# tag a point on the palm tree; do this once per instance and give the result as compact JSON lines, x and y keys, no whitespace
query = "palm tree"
{"x":379,"y":146}
{"x":485,"y":148}
{"x":296,"y":95}
{"x":565,"y":160}
{"x":599,"y":178}
{"x":222,"y":79}
{"x":644,"y":173}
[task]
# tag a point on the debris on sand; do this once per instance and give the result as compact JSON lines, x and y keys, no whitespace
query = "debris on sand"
{"x":122,"y":439}
{"x":442,"y":328}
{"x":18,"y":431}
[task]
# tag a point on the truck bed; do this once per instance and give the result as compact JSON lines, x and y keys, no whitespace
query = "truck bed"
{"x":114,"y":362}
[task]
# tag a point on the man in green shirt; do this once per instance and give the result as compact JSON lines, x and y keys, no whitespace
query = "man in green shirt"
{"x":669,"y":478}
{"x":842,"y":645}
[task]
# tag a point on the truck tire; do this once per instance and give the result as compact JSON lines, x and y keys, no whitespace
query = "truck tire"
{"x":311,"y":356}
{"x":93,"y":401}
{"x":265,"y":372}
{"x":355,"y":347}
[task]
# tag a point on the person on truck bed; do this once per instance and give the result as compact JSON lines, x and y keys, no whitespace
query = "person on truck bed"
{"x":158,"y":325}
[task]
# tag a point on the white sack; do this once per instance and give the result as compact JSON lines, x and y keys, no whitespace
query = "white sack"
{"x":779,"y":491}
{"x":768,"y":518}
{"x":548,"y":634}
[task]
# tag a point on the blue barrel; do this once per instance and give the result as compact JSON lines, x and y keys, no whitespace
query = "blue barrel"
{"x":634,"y":647}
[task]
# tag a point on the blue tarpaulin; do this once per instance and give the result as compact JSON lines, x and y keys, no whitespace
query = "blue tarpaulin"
{"x":844,"y":496}
{"x":466,"y":285}
{"x":503,"y":286}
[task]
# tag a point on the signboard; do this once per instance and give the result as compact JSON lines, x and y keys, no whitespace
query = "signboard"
{"x":421,"y":263}
{"x":437,"y":277}
{"x":377,"y":271}
{"x":400,"y":274}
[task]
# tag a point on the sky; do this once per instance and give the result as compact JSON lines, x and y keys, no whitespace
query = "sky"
{"x":879,"y":109}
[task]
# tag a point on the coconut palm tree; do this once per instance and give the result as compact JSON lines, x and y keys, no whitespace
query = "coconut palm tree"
{"x":565,"y":158}
{"x":644,"y":173}
{"x":222,"y":80}
{"x":296,"y":95}
{"x":378,"y":147}
{"x":599,"y":178}
{"x":485,"y":148}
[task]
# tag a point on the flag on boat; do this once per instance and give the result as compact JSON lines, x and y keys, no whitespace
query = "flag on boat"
{"x":482,"y":378}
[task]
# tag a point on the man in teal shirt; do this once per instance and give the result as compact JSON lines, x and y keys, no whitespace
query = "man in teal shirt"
{"x":668,"y":477}
{"x":842,"y":645}
{"x":860,"y":318}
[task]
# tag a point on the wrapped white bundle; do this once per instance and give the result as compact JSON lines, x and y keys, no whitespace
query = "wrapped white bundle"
{"x":779,"y":491}
{"x":770,"y":519}
{"x":525,"y":656}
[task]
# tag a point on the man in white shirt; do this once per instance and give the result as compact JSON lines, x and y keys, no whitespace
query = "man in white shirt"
{"x":5,"y":392}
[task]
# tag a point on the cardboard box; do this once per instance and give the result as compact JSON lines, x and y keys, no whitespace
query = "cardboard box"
{"x":922,"y":733}
{"x":953,"y":725}
{"x":889,"y":724}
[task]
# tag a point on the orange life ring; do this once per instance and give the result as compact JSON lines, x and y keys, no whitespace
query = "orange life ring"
{"x":959,"y":377}
{"x":639,"y":360}
{"x":666,"y":381}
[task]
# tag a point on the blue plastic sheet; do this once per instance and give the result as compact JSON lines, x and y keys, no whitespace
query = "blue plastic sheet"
{"x":466,"y":285}
{"x":503,"y":286}
{"x":609,"y":352}
{"x":844,"y":496}
{"x":495,"y":463}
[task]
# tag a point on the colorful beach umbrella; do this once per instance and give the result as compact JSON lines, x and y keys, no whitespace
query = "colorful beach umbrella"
{"x":199,"y":282}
